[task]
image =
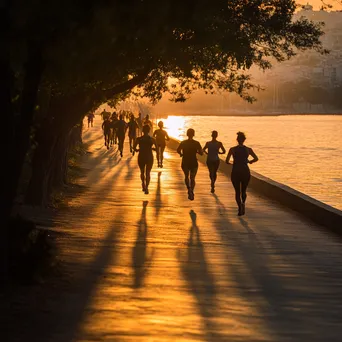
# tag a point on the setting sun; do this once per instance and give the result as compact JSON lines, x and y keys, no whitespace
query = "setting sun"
{"x":175,"y":126}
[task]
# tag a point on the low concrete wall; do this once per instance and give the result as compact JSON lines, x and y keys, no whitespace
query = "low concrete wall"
{"x":315,"y":210}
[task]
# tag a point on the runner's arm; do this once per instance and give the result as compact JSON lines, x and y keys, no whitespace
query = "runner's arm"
{"x":155,"y":144}
{"x":230,"y":153}
{"x":205,"y":147}
{"x":222,"y":149}
{"x":136,"y":143}
{"x":199,"y":149}
{"x":255,"y":157}
{"x":167,"y":136}
{"x":180,"y":149}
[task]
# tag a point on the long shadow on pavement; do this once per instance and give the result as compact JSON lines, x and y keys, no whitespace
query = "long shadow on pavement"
{"x":63,"y":312}
{"x":141,"y":262}
{"x":196,"y":272}
{"x":283,"y":309}
{"x":158,"y":201}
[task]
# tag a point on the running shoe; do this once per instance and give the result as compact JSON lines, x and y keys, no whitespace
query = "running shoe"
{"x":146,"y":191}
{"x":243,"y":209}
{"x":191,"y":195}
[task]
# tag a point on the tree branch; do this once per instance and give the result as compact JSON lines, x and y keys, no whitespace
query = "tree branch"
{"x":128,"y":85}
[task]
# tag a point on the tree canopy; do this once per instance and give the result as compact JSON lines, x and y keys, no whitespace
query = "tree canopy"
{"x":92,"y":47}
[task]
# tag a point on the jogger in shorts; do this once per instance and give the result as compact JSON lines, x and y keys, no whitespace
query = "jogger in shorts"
{"x":188,"y":150}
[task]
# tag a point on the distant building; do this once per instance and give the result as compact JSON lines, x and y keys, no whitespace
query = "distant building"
{"x":323,"y":70}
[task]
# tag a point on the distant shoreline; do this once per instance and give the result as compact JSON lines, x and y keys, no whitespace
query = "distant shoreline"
{"x":249,"y":114}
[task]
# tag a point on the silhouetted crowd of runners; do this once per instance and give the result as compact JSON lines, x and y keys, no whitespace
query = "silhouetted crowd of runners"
{"x":142,"y":140}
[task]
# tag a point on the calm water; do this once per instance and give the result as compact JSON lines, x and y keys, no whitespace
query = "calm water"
{"x":304,"y":152}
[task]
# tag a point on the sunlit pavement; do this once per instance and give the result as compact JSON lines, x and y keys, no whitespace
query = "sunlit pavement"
{"x":159,"y":267}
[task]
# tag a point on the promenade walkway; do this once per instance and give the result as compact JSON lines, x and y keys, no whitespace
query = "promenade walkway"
{"x":159,"y":267}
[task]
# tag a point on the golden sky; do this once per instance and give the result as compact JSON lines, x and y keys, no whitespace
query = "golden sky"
{"x":318,"y":3}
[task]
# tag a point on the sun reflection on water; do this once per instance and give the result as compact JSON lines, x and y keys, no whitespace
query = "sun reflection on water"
{"x":175,"y":126}
{"x":290,"y":136}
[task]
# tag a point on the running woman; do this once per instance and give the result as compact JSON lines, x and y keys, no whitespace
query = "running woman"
{"x":114,"y":137}
{"x":148,"y":122}
{"x":140,"y":123}
{"x":213,"y":160}
{"x":105,"y":115}
{"x":145,"y":157}
{"x":240,"y":173}
{"x":132,"y":133}
{"x":188,"y":150}
{"x":121,"y":127}
{"x":90,"y":117}
{"x":106,"y":127}
{"x":161,"y":137}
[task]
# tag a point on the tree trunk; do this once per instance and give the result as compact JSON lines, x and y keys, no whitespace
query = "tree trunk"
{"x":59,"y":166}
{"x":49,"y":165}
{"x":6,"y":137}
{"x":34,"y":68}
{"x":37,"y":191}
{"x":76,"y":135}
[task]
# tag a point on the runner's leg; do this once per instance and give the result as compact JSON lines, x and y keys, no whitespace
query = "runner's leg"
{"x":130,"y":144}
{"x":186,"y":172}
{"x":158,"y":154}
{"x":121,"y":143}
{"x":193,"y":173}
{"x":210,"y":169}
{"x":214,"y":168}
{"x":148,"y":174}
{"x":162,"y":149}
{"x":244,"y":185}
{"x":237,"y":187}
{"x":107,"y":136}
{"x":142,"y":165}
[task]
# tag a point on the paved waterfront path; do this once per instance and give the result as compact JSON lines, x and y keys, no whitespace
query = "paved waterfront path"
{"x":159,"y":268}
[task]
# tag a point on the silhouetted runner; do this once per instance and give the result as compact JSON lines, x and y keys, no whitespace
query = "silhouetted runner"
{"x":148,"y":122}
{"x":188,"y":150}
{"x":140,"y":123}
{"x":240,"y":174}
{"x":161,"y":137}
{"x":105,"y":115}
{"x":121,"y":127}
{"x":114,"y":137}
{"x":145,"y":157}
{"x":213,"y":160}
{"x":132,"y":133}
{"x":90,"y":117}
{"x":106,"y":126}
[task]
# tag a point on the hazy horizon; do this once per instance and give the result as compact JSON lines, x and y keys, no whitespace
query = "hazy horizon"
{"x":318,"y":4}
